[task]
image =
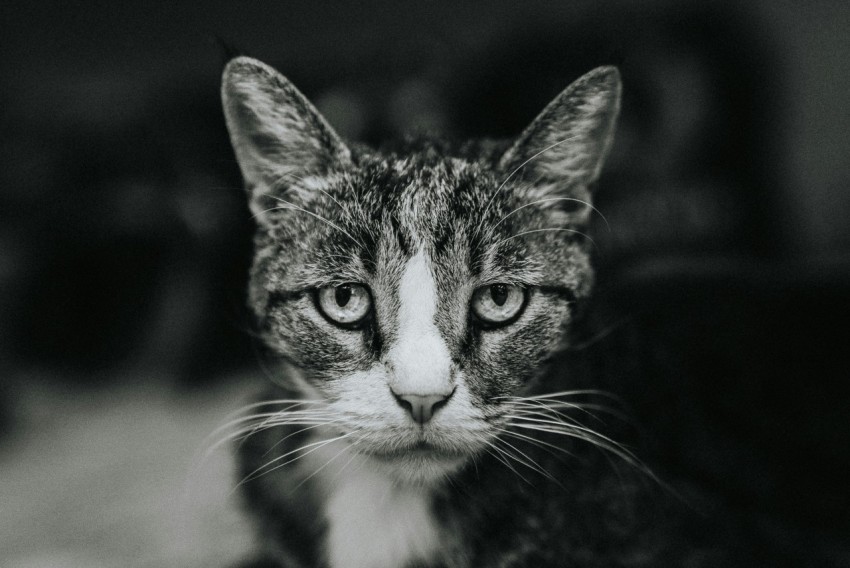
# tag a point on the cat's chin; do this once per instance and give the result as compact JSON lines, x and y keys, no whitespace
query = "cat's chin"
{"x":418,"y":465}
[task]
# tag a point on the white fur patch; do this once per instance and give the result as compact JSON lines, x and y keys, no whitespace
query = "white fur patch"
{"x":420,"y":357}
{"x":374,"y":522}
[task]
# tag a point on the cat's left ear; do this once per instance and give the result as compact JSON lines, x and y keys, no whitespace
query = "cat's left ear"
{"x":275,"y":131}
{"x":561,"y":153}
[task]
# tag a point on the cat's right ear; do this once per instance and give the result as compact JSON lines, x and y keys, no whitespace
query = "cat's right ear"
{"x":275,"y":131}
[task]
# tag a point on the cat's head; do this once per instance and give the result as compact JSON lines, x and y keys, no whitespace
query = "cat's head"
{"x":414,"y":291}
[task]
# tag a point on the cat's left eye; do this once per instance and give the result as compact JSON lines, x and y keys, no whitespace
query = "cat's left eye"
{"x":345,"y":304}
{"x":498,"y":304}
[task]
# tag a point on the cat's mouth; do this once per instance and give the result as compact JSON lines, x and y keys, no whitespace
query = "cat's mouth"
{"x":417,"y":463}
{"x":420,"y":450}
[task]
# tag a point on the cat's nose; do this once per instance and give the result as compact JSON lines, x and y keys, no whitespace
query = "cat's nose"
{"x":422,"y":407}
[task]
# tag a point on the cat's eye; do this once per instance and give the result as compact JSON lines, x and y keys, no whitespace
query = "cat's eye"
{"x":345,"y":304}
{"x":498,"y":304}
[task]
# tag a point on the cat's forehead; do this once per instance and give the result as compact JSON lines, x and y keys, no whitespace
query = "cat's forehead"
{"x":424,"y":194}
{"x":462,"y":213}
{"x":416,"y":180}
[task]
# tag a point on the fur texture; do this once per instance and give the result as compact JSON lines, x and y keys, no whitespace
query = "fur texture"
{"x":341,"y":469}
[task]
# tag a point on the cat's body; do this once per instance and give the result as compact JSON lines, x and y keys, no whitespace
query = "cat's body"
{"x":416,"y":297}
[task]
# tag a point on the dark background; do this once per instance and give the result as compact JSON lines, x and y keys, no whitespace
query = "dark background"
{"x":125,"y":239}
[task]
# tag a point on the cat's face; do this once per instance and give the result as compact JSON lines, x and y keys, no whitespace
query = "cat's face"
{"x":415,"y":292}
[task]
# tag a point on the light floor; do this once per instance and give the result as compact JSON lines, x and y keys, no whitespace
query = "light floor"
{"x":106,"y":478}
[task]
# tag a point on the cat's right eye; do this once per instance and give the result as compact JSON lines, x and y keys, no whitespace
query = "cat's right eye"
{"x":345,"y":304}
{"x":498,"y":304}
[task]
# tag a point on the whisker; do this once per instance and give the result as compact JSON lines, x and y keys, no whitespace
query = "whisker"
{"x":551,"y":410}
{"x":549,"y":199}
{"x":247,"y":431}
{"x":589,"y":436}
{"x":292,"y":206}
{"x":584,"y":407}
{"x":281,"y":177}
{"x":269,"y":420}
{"x":524,"y":460}
{"x":302,"y":180}
{"x":573,"y":428}
{"x":265,"y":470}
{"x":344,"y":467}
{"x":562,"y":229}
{"x":345,"y":448}
{"x":210,"y":443}
{"x":291,"y":402}
{"x":544,"y":418}
{"x":291,"y":174}
{"x":505,"y":461}
{"x":577,"y":392}
{"x":551,"y":402}
{"x":542,"y":444}
{"x":286,"y":420}
{"x":310,"y":427}
{"x":527,"y":461}
{"x":609,"y":445}
{"x":289,"y":411}
{"x":246,"y":418}
{"x":510,"y":175}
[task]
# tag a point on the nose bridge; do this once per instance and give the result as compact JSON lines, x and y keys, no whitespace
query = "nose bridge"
{"x":420,"y":360}
{"x":421,"y":364}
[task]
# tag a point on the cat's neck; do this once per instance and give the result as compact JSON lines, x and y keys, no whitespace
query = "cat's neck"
{"x":374,"y":520}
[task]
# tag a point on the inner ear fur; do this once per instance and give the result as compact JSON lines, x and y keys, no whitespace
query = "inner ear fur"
{"x":561,"y":153}
{"x":274,"y":130}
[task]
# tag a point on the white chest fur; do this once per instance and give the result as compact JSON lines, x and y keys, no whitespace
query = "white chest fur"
{"x":375,"y":523}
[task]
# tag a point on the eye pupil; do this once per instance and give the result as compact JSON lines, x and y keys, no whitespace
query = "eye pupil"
{"x":342,"y":294}
{"x":499,"y":294}
{"x":498,"y":305}
{"x":344,"y":304}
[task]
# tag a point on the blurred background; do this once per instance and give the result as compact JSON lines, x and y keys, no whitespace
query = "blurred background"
{"x":125,"y":242}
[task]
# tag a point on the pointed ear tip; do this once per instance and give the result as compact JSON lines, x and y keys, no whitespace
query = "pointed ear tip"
{"x":242,"y":65}
{"x":226,"y":49}
{"x":609,"y":74}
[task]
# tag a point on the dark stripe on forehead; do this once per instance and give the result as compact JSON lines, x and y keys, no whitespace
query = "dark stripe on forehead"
{"x":403,"y":237}
{"x":461,"y":221}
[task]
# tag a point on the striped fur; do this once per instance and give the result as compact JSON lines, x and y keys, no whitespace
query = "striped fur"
{"x":423,"y":226}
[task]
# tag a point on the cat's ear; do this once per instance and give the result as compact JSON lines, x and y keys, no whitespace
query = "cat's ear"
{"x":275,"y":131}
{"x":561,"y":153}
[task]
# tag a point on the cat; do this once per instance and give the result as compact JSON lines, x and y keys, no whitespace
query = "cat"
{"x":416,"y":297}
